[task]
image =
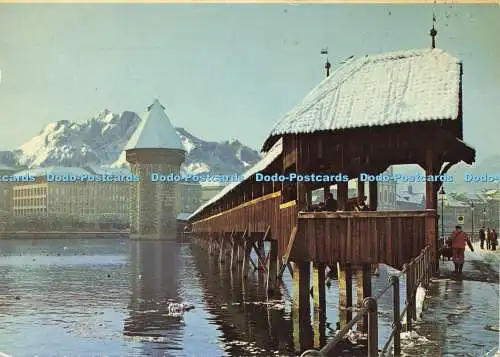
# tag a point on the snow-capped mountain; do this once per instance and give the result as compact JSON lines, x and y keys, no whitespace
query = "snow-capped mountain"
{"x":101,"y":139}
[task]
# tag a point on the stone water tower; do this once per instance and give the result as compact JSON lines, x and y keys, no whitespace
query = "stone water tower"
{"x":155,"y":147}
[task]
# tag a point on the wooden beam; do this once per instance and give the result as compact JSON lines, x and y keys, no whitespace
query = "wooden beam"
{"x":430,"y":192}
{"x":262,"y":259}
{"x":373,"y":193}
{"x":342,"y":195}
{"x":288,"y":251}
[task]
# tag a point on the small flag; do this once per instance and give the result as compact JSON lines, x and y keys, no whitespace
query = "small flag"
{"x":324,"y":51}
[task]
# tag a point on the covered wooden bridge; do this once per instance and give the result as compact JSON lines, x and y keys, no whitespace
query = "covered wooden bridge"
{"x":373,"y":112}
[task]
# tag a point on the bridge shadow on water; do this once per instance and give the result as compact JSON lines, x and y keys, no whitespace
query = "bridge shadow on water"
{"x":253,"y":324}
{"x":234,"y":317}
{"x":250,"y":325}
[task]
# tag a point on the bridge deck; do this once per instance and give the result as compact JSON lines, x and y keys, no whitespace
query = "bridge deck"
{"x":390,"y":237}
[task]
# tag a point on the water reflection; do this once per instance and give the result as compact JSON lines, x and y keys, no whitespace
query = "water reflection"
{"x":248,"y":324}
{"x":154,"y":274}
{"x":109,"y":298}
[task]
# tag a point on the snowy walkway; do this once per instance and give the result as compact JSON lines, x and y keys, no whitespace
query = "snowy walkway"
{"x":461,"y":314}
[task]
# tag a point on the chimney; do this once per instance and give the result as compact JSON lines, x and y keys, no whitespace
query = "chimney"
{"x":410,"y":190}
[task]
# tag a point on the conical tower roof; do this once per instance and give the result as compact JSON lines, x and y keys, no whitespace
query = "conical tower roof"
{"x":155,"y":131}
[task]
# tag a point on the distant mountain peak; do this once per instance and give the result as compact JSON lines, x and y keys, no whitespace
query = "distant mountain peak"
{"x":100,"y":140}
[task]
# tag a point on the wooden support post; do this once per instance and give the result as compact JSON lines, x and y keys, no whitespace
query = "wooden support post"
{"x":319,"y":299}
{"x":272,"y":268}
{"x":302,"y":204}
{"x":261,"y":253}
{"x":301,"y":286}
{"x":234,"y":247}
{"x":326,"y":191}
{"x":289,"y":248}
{"x":221,"y":249}
{"x":342,"y":195}
{"x":345,"y":293}
{"x":431,"y":201}
{"x":319,"y":286}
{"x":409,"y":299}
{"x":247,"y":244}
{"x":363,"y":290}
{"x":301,"y":311}
{"x":373,"y":195}
{"x":361,"y":190}
{"x":240,"y":250}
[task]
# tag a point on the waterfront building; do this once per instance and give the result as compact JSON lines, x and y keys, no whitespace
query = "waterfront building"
{"x":83,"y":202}
{"x":5,"y":194}
{"x":409,"y":200}
{"x":155,"y":147}
{"x":386,"y":200}
{"x":190,"y":194}
{"x":209,"y":190}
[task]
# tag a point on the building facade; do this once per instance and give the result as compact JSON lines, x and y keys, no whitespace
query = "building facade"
{"x":154,"y":148}
{"x":189,"y":199}
{"x":6,"y":189}
{"x":84,"y":202}
{"x":386,"y":200}
{"x":409,"y":200}
{"x":208,"y":191}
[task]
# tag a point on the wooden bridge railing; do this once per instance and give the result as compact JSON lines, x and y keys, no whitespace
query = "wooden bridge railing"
{"x":390,"y":237}
{"x":418,"y":272}
{"x":348,"y":237}
{"x":252,"y":216}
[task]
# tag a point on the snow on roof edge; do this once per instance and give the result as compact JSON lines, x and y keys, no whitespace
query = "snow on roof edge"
{"x":310,"y":109}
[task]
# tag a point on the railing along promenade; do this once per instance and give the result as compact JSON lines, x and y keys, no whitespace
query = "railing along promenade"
{"x":418,"y":271}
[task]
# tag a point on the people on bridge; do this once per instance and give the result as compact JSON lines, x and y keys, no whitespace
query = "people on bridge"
{"x":482,"y":237}
{"x":459,"y":240}
{"x":330,"y":203}
{"x":488,"y":239}
{"x":494,"y":239}
{"x":362,"y":206}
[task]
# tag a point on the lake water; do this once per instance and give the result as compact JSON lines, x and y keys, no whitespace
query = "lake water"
{"x":109,"y":298}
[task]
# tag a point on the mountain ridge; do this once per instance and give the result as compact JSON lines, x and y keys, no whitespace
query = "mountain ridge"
{"x":100,"y":140}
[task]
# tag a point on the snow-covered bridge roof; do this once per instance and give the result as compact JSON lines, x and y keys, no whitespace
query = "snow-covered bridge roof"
{"x":376,"y":90}
{"x":275,"y":151}
{"x":155,"y":131}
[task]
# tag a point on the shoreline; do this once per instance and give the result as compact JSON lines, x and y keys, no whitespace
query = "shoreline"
{"x":24,"y":235}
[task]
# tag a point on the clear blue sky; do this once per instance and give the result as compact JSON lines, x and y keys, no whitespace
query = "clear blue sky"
{"x":222,"y":71}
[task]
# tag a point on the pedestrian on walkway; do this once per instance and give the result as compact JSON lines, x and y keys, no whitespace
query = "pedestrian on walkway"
{"x":459,"y":240}
{"x":488,"y":239}
{"x":494,"y":239}
{"x":482,"y":237}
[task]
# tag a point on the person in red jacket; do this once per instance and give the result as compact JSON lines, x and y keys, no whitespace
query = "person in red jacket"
{"x":459,"y":240}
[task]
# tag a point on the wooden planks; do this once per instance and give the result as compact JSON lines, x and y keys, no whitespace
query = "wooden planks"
{"x":392,"y":238}
{"x":366,"y":237}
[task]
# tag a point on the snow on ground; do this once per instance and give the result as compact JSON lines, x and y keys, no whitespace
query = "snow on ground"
{"x":419,"y":301}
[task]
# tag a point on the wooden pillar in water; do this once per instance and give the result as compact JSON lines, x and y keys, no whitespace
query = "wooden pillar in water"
{"x":262,"y":252}
{"x":221,"y":248}
{"x":272,"y":268}
{"x":234,"y":247}
{"x":301,"y":311}
{"x":345,"y":293}
{"x":363,"y":290}
{"x":247,"y":248}
{"x":240,"y":250}
{"x":319,"y":299}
